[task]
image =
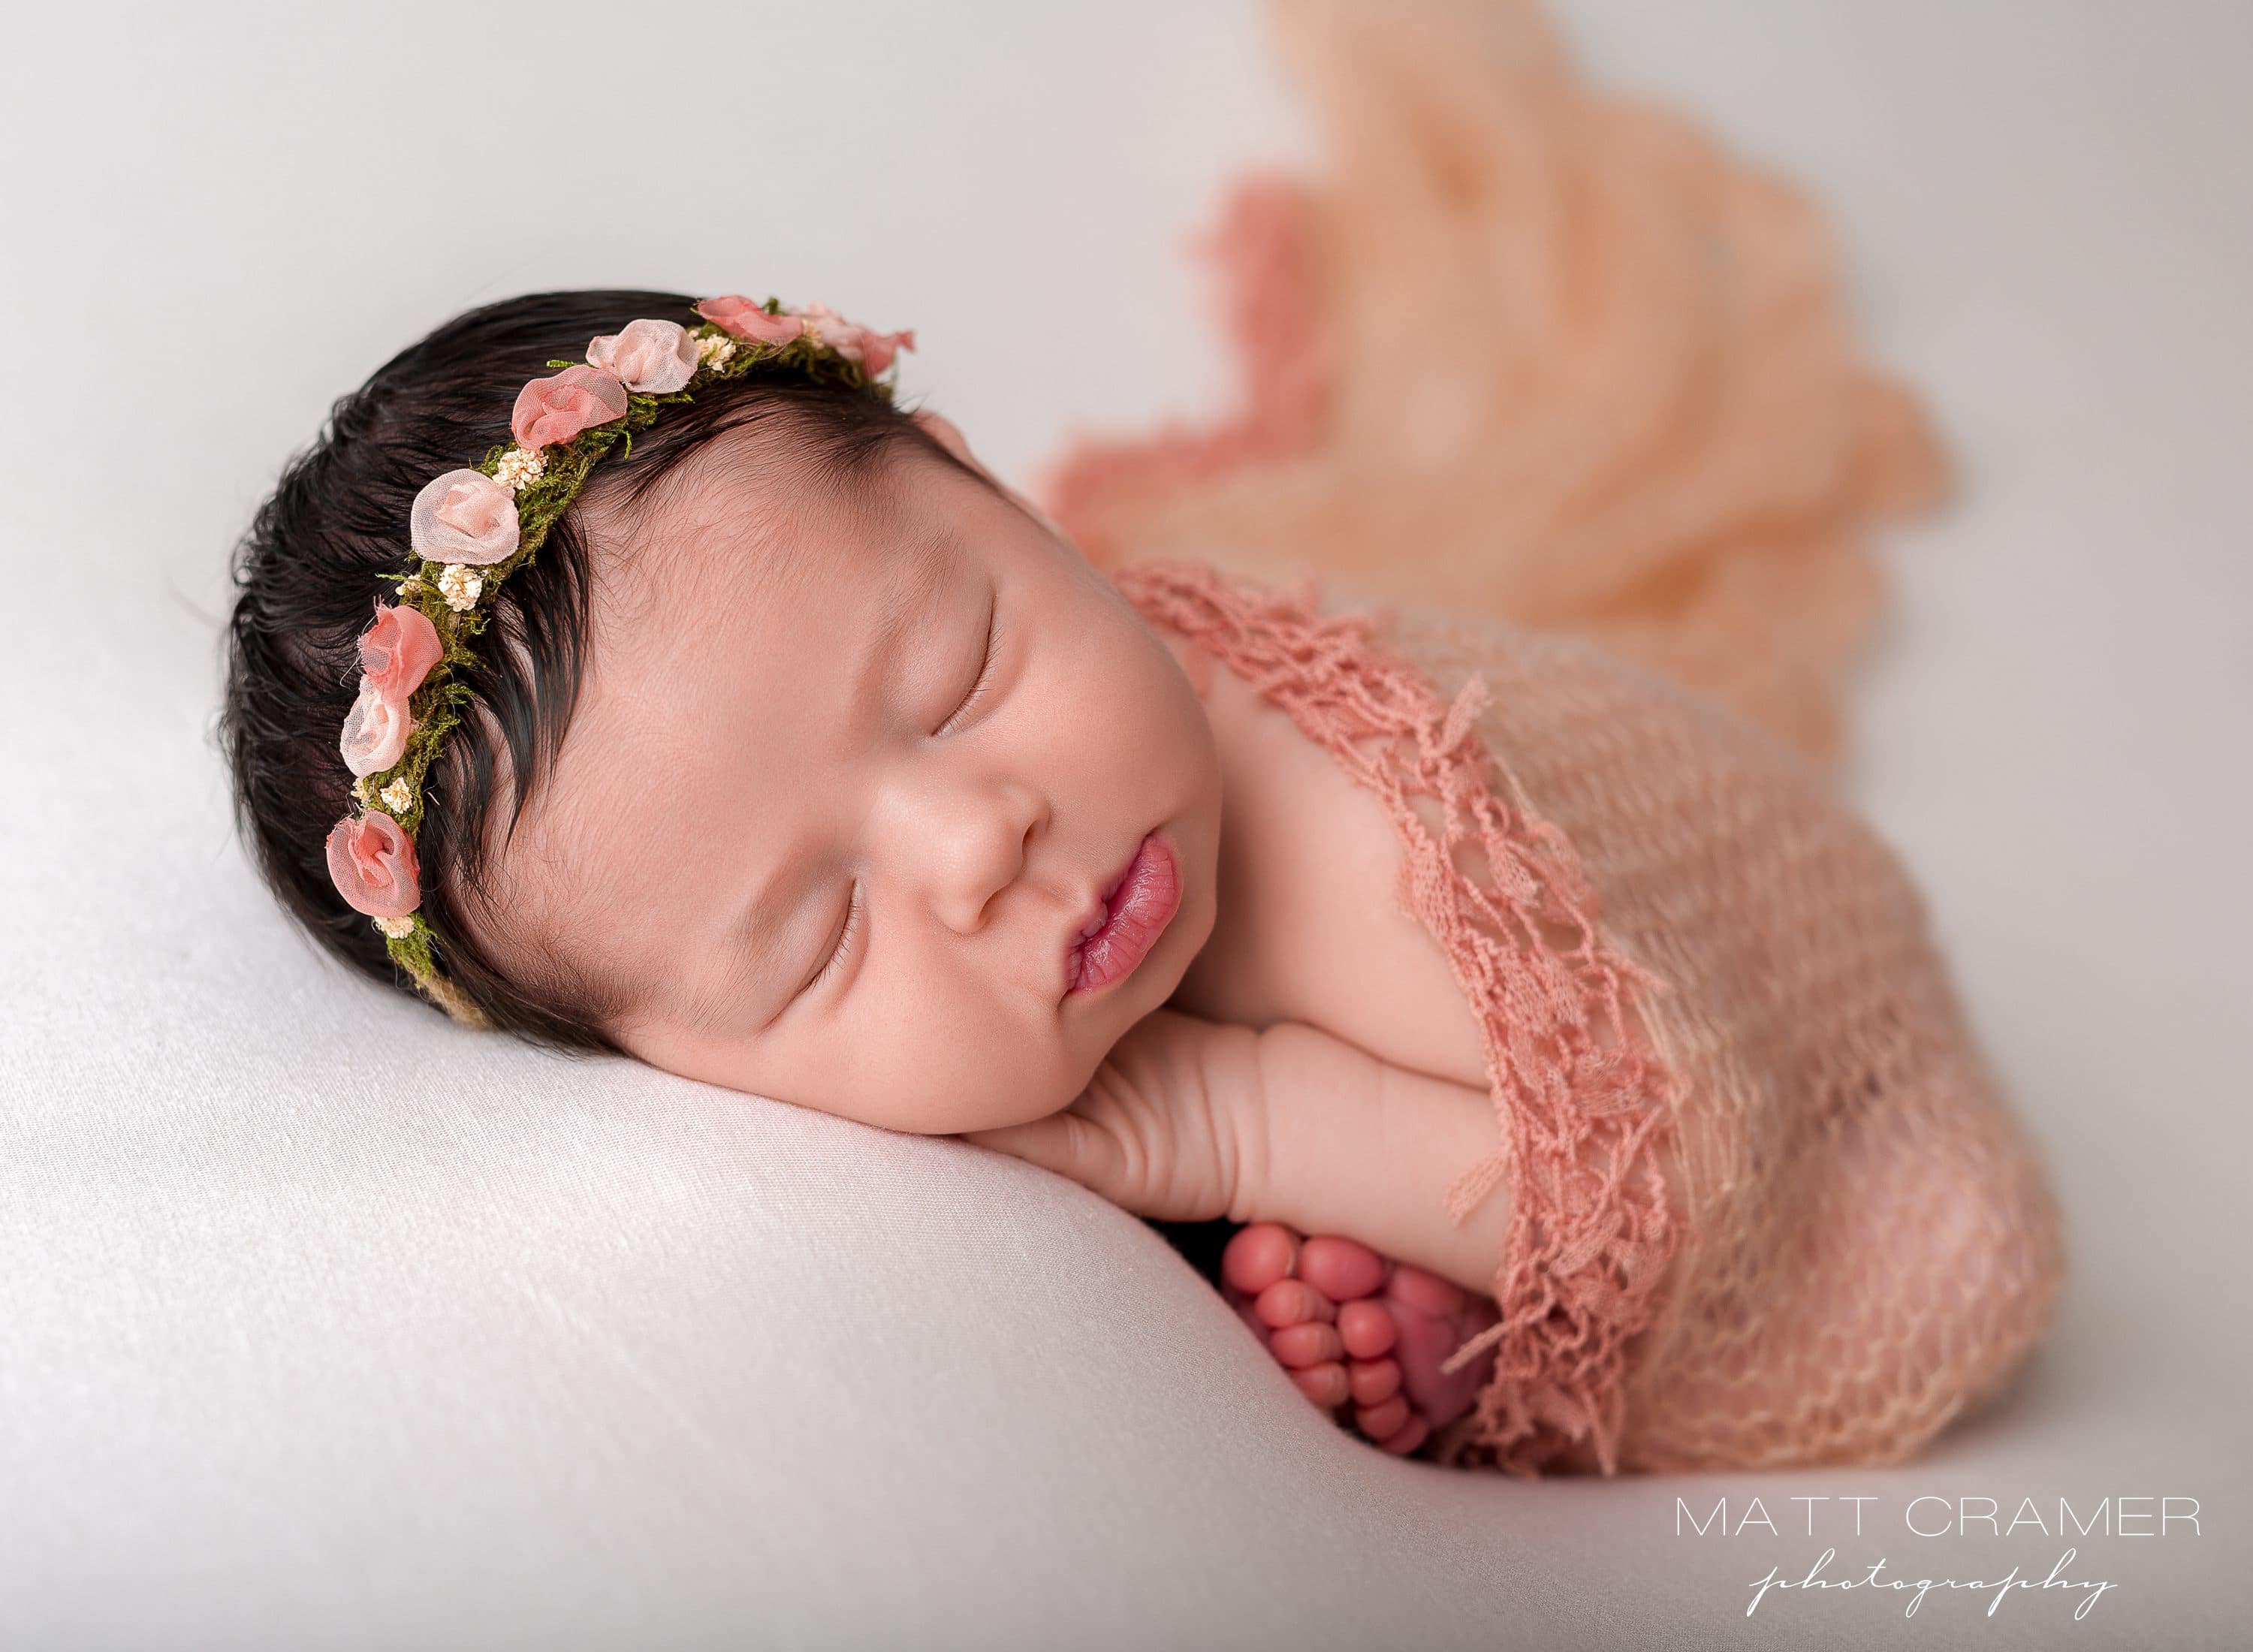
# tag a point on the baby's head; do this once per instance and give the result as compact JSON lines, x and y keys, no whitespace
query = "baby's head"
{"x":798,"y":759}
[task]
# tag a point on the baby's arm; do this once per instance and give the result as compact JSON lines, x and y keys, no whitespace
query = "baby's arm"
{"x":1358,"y":1146}
{"x":1188,"y":1120}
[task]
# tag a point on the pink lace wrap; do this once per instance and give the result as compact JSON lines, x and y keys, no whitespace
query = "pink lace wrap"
{"x":1767,"y":1205}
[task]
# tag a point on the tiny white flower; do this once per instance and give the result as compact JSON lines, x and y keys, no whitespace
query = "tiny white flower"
{"x":410,"y":589}
{"x":398,"y":928}
{"x":459,"y":585}
{"x":360,"y":790}
{"x":714,"y":350}
{"x":398,"y":797}
{"x":519,"y":468}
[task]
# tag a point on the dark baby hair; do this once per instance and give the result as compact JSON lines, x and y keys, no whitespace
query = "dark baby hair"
{"x":307,"y":581}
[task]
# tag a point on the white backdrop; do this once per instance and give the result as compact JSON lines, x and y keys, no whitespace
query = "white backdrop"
{"x":322,"y":1325}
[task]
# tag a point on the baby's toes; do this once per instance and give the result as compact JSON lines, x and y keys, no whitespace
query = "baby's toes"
{"x":1411,"y":1435}
{"x":1292,"y":1302}
{"x":1299,"y":1347}
{"x":1371,"y":1382}
{"x":1340,"y":1268}
{"x":1367,"y":1329}
{"x":1258,"y":1256}
{"x":1384,"y":1420}
{"x":1326,"y":1384}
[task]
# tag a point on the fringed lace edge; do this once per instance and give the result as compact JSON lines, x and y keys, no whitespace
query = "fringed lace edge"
{"x":1591,"y":1226}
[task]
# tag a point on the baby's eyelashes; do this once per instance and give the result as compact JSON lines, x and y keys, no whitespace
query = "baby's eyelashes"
{"x":985,"y":671}
{"x":847,"y":933}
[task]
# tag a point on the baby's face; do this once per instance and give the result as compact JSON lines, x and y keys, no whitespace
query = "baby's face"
{"x":845,"y":784}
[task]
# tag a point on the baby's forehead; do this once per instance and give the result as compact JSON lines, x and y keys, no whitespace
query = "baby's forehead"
{"x":757,"y":520}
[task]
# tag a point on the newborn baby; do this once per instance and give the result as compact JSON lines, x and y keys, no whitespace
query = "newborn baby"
{"x":809,"y":759}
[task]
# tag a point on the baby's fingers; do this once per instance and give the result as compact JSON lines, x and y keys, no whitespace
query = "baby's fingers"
{"x":1069,"y":1145}
{"x":1159,"y":1130}
{"x":1114,"y":1142}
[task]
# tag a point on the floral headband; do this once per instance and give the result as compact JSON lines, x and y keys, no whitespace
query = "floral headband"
{"x":470,"y":529}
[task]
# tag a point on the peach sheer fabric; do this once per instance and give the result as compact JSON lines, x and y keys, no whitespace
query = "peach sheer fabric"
{"x":1531,"y":352}
{"x":1767,"y":1207}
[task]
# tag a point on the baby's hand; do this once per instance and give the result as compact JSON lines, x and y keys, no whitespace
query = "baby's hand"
{"x":1172,"y":1125}
{"x":1188,"y":1120}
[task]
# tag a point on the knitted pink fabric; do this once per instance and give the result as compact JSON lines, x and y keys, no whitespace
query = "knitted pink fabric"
{"x":1767,"y":1207}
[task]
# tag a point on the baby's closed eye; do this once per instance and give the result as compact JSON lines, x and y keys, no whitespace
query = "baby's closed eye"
{"x":985,"y":674}
{"x":847,"y":931}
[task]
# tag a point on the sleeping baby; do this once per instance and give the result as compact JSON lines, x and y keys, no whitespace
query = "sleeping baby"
{"x":632,"y":674}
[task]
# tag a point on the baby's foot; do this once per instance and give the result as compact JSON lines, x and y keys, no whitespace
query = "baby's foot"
{"x":1358,"y":1330}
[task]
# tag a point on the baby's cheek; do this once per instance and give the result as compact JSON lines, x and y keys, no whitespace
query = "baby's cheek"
{"x":938,"y":1063}
{"x":1014,"y":1077}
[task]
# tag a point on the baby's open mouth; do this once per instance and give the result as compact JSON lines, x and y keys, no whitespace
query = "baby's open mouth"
{"x":1137,"y":906}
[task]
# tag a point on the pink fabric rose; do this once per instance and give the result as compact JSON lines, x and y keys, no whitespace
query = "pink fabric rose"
{"x":874,"y":351}
{"x":375,"y":731}
{"x":831,"y":330}
{"x":372,"y":862}
{"x":739,"y":316}
{"x":397,"y":652}
{"x":652,"y":358}
{"x":557,"y":408}
{"x":877,"y":349}
{"x":465,"y":516}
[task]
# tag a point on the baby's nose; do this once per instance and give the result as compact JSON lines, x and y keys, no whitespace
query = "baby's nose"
{"x":969,"y":844}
